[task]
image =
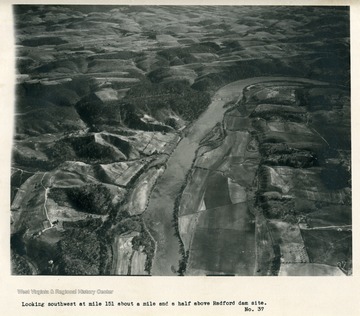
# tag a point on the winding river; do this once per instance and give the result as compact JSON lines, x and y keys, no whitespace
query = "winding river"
{"x":159,"y":214}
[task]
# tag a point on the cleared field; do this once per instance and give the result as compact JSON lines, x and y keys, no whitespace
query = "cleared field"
{"x":213,"y":158}
{"x":77,"y":167}
{"x":140,"y":194}
{"x":121,"y":148}
{"x":296,"y":141}
{"x":228,"y":251}
{"x":232,"y":216}
{"x":309,"y":269}
{"x":101,"y":66}
{"x":336,"y":197}
{"x":28,"y":207}
{"x":217,"y":192}
{"x":51,"y":236}
{"x":289,"y":128}
{"x":160,"y":144}
{"x":150,"y":143}
{"x":63,"y":213}
{"x":328,"y":246}
{"x":294,"y":253}
{"x":238,"y":142}
{"x":138,"y":263}
{"x":265,"y":250}
{"x":72,"y":174}
{"x":167,"y":40}
{"x":175,"y":73}
{"x":224,"y":240}
{"x":107,"y":94}
{"x":108,"y":79}
{"x":233,"y":147}
{"x":271,"y":94}
{"x":330,"y":215}
{"x":273,"y":109}
{"x":26,"y":151}
{"x":47,"y":118}
{"x":122,"y":248}
{"x":283,"y":232}
{"x":239,"y":111}
{"x":236,"y":123}
{"x":187,"y":227}
{"x":205,"y":57}
{"x":284,"y":179}
{"x":243,"y":173}
{"x":288,"y":237}
{"x":193,"y":192}
{"x":237,"y":192}
{"x":121,"y":173}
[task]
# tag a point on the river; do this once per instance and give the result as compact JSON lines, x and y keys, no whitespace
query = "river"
{"x":159,"y":215}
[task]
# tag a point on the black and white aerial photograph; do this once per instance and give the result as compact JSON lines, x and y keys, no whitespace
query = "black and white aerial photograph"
{"x":183,"y":140}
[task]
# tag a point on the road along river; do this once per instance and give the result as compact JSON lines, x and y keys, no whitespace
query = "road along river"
{"x":159,"y":215}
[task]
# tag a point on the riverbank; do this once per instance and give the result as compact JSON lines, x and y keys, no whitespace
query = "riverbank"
{"x":159,"y":214}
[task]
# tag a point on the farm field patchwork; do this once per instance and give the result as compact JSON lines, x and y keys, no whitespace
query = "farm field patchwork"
{"x":181,"y":140}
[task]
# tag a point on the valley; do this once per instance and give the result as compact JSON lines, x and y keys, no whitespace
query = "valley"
{"x":182,"y":140}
